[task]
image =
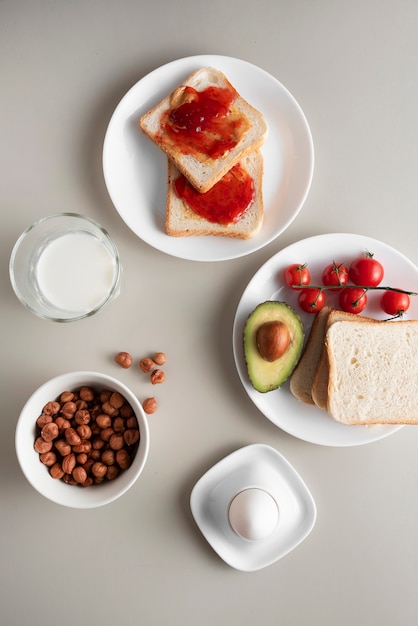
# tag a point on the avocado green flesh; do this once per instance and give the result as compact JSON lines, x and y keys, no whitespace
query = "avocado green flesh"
{"x":265,"y":375}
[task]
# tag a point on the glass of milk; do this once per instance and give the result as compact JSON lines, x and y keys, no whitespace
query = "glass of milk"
{"x":65,"y":267}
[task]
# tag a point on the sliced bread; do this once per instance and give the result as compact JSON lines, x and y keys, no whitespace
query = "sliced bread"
{"x":203,"y":171}
{"x":304,"y":373}
{"x":183,"y":221}
{"x":373,"y":372}
{"x":319,"y":387}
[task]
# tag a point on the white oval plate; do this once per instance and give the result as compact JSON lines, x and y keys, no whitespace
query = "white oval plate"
{"x":262,"y":467}
{"x":135,"y":170}
{"x":281,"y":407}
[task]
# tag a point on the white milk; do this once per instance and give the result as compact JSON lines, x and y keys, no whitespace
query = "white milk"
{"x":75,"y":272}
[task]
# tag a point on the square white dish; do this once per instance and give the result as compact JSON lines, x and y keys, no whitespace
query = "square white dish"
{"x":259,"y":466}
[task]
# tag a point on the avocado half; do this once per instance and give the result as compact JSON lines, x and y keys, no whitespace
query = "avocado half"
{"x":269,"y":375}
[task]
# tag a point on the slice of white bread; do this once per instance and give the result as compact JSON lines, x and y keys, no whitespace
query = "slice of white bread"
{"x":373,"y":372}
{"x":182,"y":221}
{"x":201,"y":171}
{"x":319,"y":387}
{"x":304,"y":373}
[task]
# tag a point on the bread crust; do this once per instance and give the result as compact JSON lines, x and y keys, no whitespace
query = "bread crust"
{"x":304,"y":373}
{"x":203,"y":172}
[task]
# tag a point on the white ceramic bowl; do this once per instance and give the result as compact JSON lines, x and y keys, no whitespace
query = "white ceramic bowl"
{"x":37,"y":473}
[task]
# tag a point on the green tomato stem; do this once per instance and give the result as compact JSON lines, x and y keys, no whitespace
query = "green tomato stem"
{"x":323,"y":287}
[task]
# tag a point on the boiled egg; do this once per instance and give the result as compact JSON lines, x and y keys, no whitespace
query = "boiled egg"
{"x":253,"y":514}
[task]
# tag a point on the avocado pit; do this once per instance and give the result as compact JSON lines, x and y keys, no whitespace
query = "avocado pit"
{"x":273,"y":340}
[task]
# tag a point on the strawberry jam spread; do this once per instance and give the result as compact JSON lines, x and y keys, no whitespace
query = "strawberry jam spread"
{"x":225,"y":202}
{"x":204,"y":123}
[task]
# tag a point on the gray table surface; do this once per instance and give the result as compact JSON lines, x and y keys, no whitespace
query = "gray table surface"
{"x":64,"y":67}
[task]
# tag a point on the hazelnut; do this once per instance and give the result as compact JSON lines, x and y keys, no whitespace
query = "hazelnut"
{"x":123,"y":458}
{"x":109,"y":409}
{"x":62,"y":423}
{"x":48,"y":458}
{"x":157,"y":377}
{"x":51,"y":408}
{"x":106,"y":434}
{"x":98,"y":443}
{"x":112,"y":472}
{"x":103,"y":421}
{"x":119,"y":425}
{"x":41,"y":446}
{"x":68,"y":463}
{"x":43,"y":419}
{"x":66,"y":396}
{"x":50,"y":431}
{"x":105,"y":395}
{"x":123,"y":359}
{"x":62,"y":447}
{"x":131,"y":436}
{"x":116,"y":400}
{"x":79,"y":474}
{"x":84,"y":431}
{"x":69,"y":480}
{"x":99,"y":469}
{"x":273,"y":339}
{"x":132,"y":422}
{"x":108,"y":457}
{"x":146,"y":364}
{"x":126,"y":410}
{"x":86,"y":394}
{"x":82,"y":458}
{"x":95,"y":454}
{"x":150,"y":405}
{"x":68,"y":409}
{"x":160,"y":358}
{"x":56,"y":471}
{"x":72,"y":437}
{"x":84,"y":446}
{"x":82,"y":416}
{"x":116,"y":441}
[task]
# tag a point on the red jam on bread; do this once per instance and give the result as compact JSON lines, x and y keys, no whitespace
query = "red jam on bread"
{"x":205,"y":122}
{"x":225,"y":202}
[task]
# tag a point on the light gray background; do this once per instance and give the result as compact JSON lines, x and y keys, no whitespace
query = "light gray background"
{"x":64,"y":66}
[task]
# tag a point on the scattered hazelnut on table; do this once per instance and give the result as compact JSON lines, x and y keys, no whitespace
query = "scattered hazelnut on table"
{"x":146,"y":364}
{"x":157,"y":377}
{"x":150,"y":405}
{"x":123,"y":359}
{"x":160,"y":358}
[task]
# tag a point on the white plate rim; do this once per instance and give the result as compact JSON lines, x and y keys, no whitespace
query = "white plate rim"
{"x":121,"y":154}
{"x":328,"y":432}
{"x":270,"y":470}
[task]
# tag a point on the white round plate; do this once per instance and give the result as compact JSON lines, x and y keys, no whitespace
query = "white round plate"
{"x":300,"y":420}
{"x":135,"y":170}
{"x":259,"y":466}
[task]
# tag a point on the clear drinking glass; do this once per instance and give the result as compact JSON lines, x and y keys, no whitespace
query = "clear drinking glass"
{"x":65,"y":267}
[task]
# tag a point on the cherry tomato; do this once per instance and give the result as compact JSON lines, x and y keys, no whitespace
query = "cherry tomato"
{"x":366,"y":271}
{"x":353,"y":300}
{"x":311,"y":300}
{"x":297,"y":274}
{"x":335,"y":274}
{"x":395,"y":302}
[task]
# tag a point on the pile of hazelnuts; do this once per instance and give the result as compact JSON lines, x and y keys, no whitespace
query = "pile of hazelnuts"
{"x":87,"y":437}
{"x":148,"y":365}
